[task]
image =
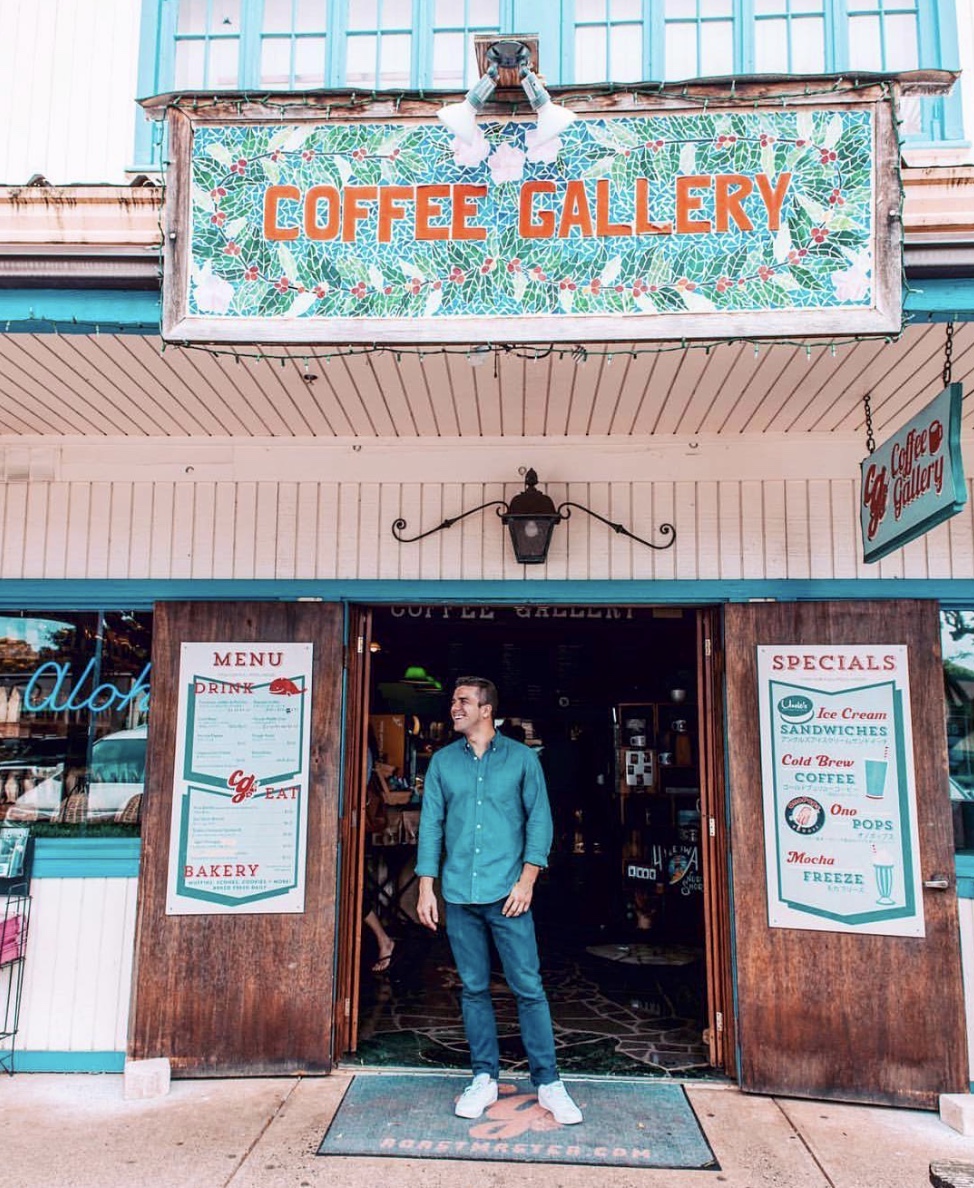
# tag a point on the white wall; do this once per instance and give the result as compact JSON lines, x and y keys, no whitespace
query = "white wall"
{"x":68,"y":82}
{"x":760,"y":508}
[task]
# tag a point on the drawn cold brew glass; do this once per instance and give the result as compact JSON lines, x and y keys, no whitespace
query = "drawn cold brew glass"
{"x":875,"y":777}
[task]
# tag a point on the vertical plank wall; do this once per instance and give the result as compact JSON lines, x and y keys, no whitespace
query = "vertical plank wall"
{"x":729,"y":529}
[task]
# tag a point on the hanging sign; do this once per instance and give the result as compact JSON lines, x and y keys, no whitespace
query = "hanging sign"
{"x":840,"y":828}
{"x":915,"y":479}
{"x":716,"y":222}
{"x":240,"y":794}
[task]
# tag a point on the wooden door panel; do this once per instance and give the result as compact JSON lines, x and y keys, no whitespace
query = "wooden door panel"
{"x":241,"y":995}
{"x":827,"y":1014}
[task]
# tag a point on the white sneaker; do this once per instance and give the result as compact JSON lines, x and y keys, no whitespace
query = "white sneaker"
{"x":555,"y":1099}
{"x":478,"y":1095}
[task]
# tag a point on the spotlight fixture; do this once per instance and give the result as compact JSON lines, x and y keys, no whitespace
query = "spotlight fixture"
{"x":553,"y":119}
{"x":531,"y":517}
{"x":461,"y":118}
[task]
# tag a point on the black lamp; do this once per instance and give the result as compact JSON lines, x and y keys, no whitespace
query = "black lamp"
{"x":531,"y":518}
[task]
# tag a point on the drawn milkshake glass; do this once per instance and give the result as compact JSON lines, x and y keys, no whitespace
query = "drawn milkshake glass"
{"x":883,"y":866}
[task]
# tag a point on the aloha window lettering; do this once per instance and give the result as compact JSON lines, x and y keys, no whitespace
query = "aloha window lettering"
{"x":66,"y":694}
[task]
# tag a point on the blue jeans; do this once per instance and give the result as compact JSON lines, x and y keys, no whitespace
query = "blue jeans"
{"x":468,"y":927}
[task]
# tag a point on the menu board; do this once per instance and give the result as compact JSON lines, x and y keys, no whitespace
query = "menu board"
{"x":839,"y":795}
{"x":238,"y":841}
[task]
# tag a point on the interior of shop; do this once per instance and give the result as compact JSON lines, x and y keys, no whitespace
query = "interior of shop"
{"x":607,"y":696}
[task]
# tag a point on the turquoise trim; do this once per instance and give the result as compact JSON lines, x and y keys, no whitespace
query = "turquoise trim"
{"x":80,"y":311}
{"x":69,"y":1062}
{"x":942,"y":300}
{"x":79,"y":594}
{"x":964,"y":865}
{"x":86,"y":858}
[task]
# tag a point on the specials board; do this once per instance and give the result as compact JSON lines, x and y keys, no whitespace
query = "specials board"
{"x":238,"y":840}
{"x":839,"y":795}
{"x":736,"y":218}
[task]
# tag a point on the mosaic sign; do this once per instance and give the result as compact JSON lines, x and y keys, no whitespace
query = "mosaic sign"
{"x":915,"y":479}
{"x":840,"y":826}
{"x":656,"y":225}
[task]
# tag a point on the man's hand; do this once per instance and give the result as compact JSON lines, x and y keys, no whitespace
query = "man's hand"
{"x":426,"y":909}
{"x":519,"y":900}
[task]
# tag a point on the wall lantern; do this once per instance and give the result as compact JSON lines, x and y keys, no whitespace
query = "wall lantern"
{"x":504,"y":59}
{"x":531,"y":517}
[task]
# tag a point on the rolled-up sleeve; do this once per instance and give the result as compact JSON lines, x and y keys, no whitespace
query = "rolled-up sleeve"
{"x":538,"y":830}
{"x":430,"y":848}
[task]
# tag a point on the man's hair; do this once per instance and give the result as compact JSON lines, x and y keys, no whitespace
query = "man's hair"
{"x":486,"y":690}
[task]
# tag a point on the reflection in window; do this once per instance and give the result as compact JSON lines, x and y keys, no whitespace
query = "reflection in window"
{"x":74,"y":692}
{"x":957,"y":644}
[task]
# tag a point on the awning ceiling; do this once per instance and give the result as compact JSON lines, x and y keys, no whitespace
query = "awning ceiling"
{"x":126,"y":385}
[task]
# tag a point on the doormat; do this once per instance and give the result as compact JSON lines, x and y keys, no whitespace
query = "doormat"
{"x":626,"y":1124}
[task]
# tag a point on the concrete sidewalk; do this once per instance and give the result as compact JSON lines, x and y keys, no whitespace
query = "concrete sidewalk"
{"x":78,"y":1132}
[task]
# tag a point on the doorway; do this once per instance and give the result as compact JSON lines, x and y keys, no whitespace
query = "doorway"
{"x":613,"y":700}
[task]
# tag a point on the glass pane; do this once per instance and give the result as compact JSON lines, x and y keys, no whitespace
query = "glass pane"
{"x":807,"y":6}
{"x":448,"y":59}
{"x":363,"y":14}
{"x":771,"y":7}
{"x":360,"y":61}
{"x":956,"y":639}
{"x":681,"y":51}
{"x":589,"y":10}
{"x":681,"y":8}
{"x":484,"y":12}
{"x":447,"y":12}
{"x":808,"y":46}
{"x":626,"y":10}
{"x":717,"y":48}
{"x":771,"y":47}
{"x":865,"y":46}
{"x":309,"y":62}
{"x":626,"y":53}
{"x":715,"y":8}
{"x":911,"y":116}
{"x":275,"y":62}
{"x":590,"y":54}
{"x":310,"y":16}
{"x":278,"y":15}
{"x":188,"y":73}
{"x":223,"y":63}
{"x":901,"y":42}
{"x":396,"y":67}
{"x":398,"y":14}
{"x":226,"y":16}
{"x":192,"y":16}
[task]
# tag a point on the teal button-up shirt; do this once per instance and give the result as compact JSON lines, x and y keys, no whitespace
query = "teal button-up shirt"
{"x":484,"y":817}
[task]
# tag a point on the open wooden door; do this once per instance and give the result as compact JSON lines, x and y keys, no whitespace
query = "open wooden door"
{"x":352,"y":831}
{"x":239,"y":994}
{"x":843,"y":1015}
{"x":713,"y":841}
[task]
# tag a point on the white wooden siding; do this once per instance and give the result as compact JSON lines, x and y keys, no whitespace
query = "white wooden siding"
{"x":966,"y":912}
{"x":78,"y":969}
{"x":73,"y":69}
{"x":330,"y":517}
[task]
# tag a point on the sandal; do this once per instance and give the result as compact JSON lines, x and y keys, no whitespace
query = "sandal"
{"x":384,"y":964}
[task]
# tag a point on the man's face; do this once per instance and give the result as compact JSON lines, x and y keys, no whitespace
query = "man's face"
{"x":465,"y":709}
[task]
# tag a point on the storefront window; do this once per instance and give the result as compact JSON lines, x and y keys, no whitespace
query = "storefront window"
{"x":74,"y":704}
{"x":957,"y":642}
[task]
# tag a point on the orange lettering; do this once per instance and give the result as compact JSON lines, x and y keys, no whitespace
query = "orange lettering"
{"x":575,"y":211}
{"x":312,"y":228}
{"x":602,"y":224}
{"x":773,"y":198}
{"x":272,"y":197}
{"x":732,"y":189}
{"x":686,"y":204}
{"x":465,"y":208}
{"x":643,"y":225}
{"x":389,"y":208}
{"x":427,"y":207}
{"x":353,"y":212}
{"x":529,"y":226}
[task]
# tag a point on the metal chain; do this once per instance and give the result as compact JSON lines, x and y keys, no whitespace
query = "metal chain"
{"x":948,"y":353}
{"x":868,"y":409}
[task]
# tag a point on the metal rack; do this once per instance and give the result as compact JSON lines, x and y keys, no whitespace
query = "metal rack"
{"x":14,"y":924}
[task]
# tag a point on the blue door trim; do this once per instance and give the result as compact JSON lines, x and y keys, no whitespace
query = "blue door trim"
{"x":86,"y":857}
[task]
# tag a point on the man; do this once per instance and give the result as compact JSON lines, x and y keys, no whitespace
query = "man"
{"x":485,"y":811}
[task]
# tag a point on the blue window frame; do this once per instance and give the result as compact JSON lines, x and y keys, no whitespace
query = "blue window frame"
{"x":417,"y":44}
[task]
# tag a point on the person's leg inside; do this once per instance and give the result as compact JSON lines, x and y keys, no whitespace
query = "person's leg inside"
{"x":468,"y":935}
{"x":517,"y":945}
{"x":384,"y":942}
